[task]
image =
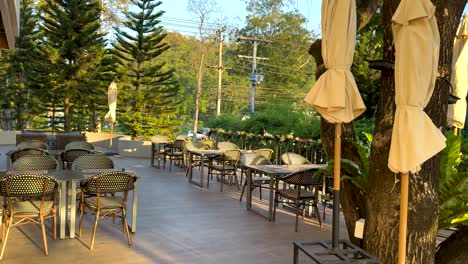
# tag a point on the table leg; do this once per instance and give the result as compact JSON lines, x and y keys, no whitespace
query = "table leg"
{"x":190,"y":156}
{"x":201,"y":170}
{"x":271,"y":202}
{"x":72,"y":208}
{"x":134,"y":207}
{"x":62,"y":208}
{"x":8,"y":162}
{"x":248,"y":201}
{"x":152,"y":153}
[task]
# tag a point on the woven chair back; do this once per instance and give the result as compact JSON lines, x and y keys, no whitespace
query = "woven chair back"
{"x":302,"y":178}
{"x":110,"y":182}
{"x":290,"y":158}
{"x":79,"y":145}
{"x":195,"y":145}
{"x":210,"y":143}
{"x":34,"y":162}
{"x":92,"y":161}
{"x":232,"y":156}
{"x":27,"y":151}
{"x":227,"y":145}
{"x":254,"y":159}
{"x":33,"y":144}
{"x":72,"y":154}
{"x":265,"y":152}
{"x":27,"y":185}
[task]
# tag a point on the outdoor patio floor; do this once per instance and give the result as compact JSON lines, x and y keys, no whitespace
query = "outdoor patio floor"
{"x":177,"y":223}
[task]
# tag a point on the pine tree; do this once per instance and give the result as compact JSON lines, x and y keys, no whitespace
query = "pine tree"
{"x":17,"y":71}
{"x":75,"y":46}
{"x":148,"y":87}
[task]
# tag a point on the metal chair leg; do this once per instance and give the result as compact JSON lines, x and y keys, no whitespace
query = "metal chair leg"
{"x":297,"y":215}
{"x":242,"y":193}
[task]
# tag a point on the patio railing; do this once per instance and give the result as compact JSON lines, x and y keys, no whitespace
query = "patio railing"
{"x":310,"y":149}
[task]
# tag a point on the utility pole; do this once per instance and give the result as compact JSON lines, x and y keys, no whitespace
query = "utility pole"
{"x":254,"y":77}
{"x":219,"y":67}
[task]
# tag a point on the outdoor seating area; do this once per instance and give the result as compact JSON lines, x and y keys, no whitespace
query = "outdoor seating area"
{"x":265,"y":132}
{"x":165,"y":235}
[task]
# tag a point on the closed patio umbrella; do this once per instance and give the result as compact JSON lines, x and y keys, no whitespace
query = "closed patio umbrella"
{"x":456,"y":113}
{"x":335,"y":94}
{"x":415,"y":139}
{"x":112,"y":101}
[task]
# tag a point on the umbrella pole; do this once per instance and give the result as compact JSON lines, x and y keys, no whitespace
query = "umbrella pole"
{"x":403,"y":218}
{"x":110,"y":138}
{"x":336,"y":188}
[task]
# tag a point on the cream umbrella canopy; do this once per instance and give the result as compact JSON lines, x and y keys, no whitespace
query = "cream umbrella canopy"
{"x":112,"y":101}
{"x":456,"y":113}
{"x":335,"y":94}
{"x":415,"y":139}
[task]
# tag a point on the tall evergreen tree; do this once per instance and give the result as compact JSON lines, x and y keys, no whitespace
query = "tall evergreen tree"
{"x":72,"y":30}
{"x":18,"y":72}
{"x":149,"y":92}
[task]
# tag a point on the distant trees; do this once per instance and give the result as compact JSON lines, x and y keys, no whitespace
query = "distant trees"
{"x":19,"y":75}
{"x":287,"y":67}
{"x":69,"y":65}
{"x":149,"y":91}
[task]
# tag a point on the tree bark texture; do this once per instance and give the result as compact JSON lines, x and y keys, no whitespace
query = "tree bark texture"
{"x":382,"y":220}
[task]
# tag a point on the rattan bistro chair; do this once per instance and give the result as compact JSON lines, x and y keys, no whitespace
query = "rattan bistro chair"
{"x":257,"y":181}
{"x":33,"y":144}
{"x":225,"y":165}
{"x":196,"y":161}
{"x":300,"y":194}
{"x":79,"y":145}
{"x":27,"y":151}
{"x":28,"y":198}
{"x":174,"y":152}
{"x":291,"y":158}
{"x":92,"y":161}
{"x":265,"y":152}
{"x":70,"y":155}
{"x":34,"y":162}
{"x":103,"y":206}
{"x":226,"y":145}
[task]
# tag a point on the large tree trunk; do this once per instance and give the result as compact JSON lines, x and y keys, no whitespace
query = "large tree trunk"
{"x":382,"y":219}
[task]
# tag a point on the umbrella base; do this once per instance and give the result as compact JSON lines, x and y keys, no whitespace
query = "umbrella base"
{"x":322,"y":253}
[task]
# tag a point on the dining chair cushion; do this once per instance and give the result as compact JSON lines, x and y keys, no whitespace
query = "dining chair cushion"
{"x":31,"y":207}
{"x":106,"y":202}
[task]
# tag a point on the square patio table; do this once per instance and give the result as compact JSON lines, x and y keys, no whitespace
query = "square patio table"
{"x":202,"y":154}
{"x":274,"y":172}
{"x":156,"y":148}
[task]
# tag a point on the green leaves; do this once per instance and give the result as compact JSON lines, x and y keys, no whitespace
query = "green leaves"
{"x":357,"y":175}
{"x":453,"y":186}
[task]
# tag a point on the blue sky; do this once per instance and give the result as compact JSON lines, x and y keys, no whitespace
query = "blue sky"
{"x":178,"y":18}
